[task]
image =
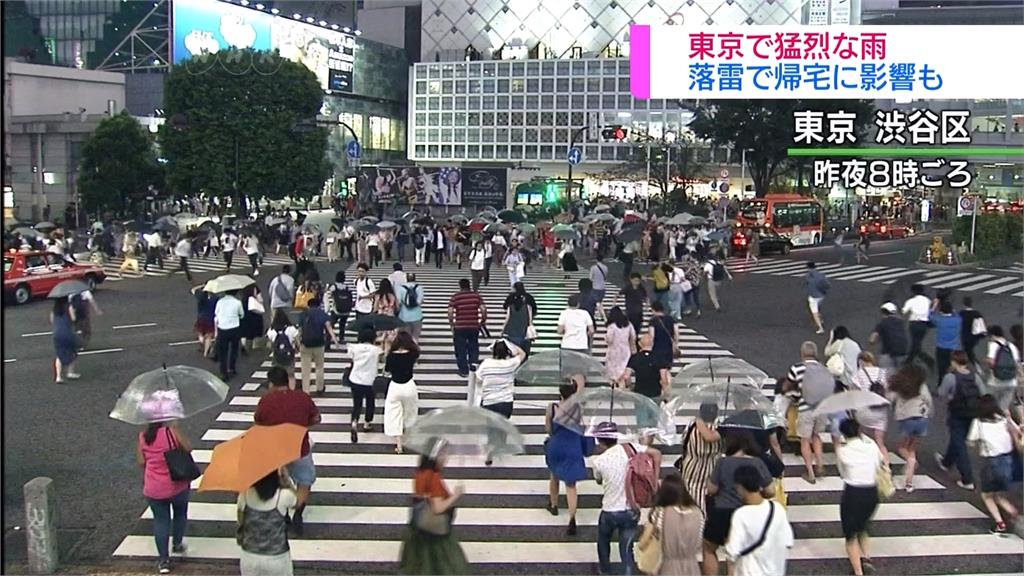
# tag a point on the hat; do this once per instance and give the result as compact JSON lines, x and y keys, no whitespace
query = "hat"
{"x":605,"y":430}
{"x":889,"y":307}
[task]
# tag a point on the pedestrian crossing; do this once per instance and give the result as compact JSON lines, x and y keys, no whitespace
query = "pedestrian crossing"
{"x":213,"y":264}
{"x":1000,"y":281}
{"x":359,"y":505}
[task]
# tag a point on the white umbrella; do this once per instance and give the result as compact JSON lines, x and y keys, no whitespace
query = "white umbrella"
{"x":849,"y":400}
{"x":228,"y":283}
{"x":386,"y":224}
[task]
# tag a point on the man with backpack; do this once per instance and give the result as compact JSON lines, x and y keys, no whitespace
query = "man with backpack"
{"x":410,"y":310}
{"x":891,"y":335}
{"x":598,"y":275}
{"x":628,"y":475}
{"x":282,"y":290}
{"x":716,"y":273}
{"x":960,"y":388}
{"x":343,"y":301}
{"x":365,"y":291}
{"x":314,"y":328}
{"x":814,"y":383}
{"x":817,"y":287}
{"x":1003,"y":358}
{"x":84,"y":305}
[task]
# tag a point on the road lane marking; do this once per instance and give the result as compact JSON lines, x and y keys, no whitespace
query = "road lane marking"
{"x":126,"y":326}
{"x":871,"y":254}
{"x":182,"y":343}
{"x":31,"y":334}
{"x":9,"y":360}
{"x":105,"y":351}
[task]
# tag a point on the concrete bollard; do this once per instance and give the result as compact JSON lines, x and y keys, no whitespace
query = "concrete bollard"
{"x":41,"y":527}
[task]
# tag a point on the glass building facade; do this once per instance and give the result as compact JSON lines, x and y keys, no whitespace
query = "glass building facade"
{"x":528,"y":110}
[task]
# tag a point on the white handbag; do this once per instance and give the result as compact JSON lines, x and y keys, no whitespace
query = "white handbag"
{"x":531,"y":332}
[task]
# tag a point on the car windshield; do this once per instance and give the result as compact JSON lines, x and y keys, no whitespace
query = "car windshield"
{"x":754,"y":209}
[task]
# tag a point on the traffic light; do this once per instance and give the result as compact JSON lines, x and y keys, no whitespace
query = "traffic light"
{"x":614,"y":133}
{"x":551,"y":193}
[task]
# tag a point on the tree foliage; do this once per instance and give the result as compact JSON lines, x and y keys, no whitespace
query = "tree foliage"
{"x":765,"y":129}
{"x":118,"y":165}
{"x":252,"y":100}
{"x":995,"y":235}
{"x":682,"y":164}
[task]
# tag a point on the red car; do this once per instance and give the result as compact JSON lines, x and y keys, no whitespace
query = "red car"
{"x":884,"y":228}
{"x":29,"y":274}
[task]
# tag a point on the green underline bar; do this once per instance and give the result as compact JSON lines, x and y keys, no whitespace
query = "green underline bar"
{"x":932,"y":151}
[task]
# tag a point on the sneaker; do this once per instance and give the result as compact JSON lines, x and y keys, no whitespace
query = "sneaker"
{"x":354,"y":434}
{"x":571,"y":530}
{"x":553,"y":510}
{"x":59,"y":381}
{"x":164,"y":567}
{"x":938,"y":462}
{"x":999,"y":528}
{"x":969,"y":486}
{"x":819,"y":331}
{"x":179,"y":548}
{"x":73,"y":375}
{"x":908,"y":487}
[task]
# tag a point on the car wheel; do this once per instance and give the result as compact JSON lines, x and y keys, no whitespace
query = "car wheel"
{"x":90,"y":280}
{"x":22,"y":294}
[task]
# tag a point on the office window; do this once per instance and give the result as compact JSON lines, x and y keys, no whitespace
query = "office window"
{"x":380,"y":133}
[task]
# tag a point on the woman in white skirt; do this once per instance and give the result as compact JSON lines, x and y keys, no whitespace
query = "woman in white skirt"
{"x":402,"y":402}
{"x":263,"y":529}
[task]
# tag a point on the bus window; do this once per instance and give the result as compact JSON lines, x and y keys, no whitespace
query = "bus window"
{"x":805,"y":214}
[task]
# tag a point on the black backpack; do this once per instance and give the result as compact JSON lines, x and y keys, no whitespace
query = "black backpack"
{"x":417,"y":240}
{"x":312,"y":332}
{"x":1004,"y":367}
{"x":717,"y":271}
{"x":343,"y":300}
{"x":412,"y":300}
{"x":80,"y":306}
{"x":284,"y":350}
{"x":964,"y":404}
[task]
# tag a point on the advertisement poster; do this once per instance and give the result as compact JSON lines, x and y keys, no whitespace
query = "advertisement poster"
{"x":204,"y":27}
{"x":415,"y":185}
{"x":484,"y":186}
{"x":319,"y":49}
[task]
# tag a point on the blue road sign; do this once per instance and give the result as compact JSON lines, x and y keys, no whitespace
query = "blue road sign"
{"x":353,"y":149}
{"x":575,"y":155}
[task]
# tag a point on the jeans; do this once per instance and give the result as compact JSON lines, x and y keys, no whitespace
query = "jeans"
{"x":625,"y":523}
{"x":254,"y":260}
{"x":228,"y":258}
{"x":956,"y":451}
{"x":942,"y":360}
{"x":162,"y":524}
{"x":467,"y":348}
{"x":183,"y":267}
{"x":917,"y":334}
{"x":636,"y":318}
{"x":154,"y":255}
{"x":675,"y":302}
{"x":692,"y":298}
{"x":439,"y":257}
{"x":627,"y":265}
{"x":663,"y":298}
{"x":478,"y":276}
{"x":227,"y":349}
{"x":487,"y":270}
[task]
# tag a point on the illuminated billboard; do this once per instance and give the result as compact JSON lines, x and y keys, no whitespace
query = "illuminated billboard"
{"x":209,"y":26}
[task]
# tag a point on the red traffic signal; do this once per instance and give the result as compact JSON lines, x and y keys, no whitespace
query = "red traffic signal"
{"x":614,"y":133}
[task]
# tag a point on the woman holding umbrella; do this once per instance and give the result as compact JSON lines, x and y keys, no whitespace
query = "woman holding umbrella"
{"x":424,"y":552}
{"x":163,"y":493}
{"x":65,"y":343}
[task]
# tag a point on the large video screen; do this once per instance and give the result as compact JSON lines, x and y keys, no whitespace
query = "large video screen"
{"x":209,"y":26}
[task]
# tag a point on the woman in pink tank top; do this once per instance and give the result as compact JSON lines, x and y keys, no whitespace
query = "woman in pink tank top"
{"x":164,"y":494}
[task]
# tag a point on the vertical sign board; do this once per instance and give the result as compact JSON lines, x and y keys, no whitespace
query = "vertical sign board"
{"x":482,"y":186}
{"x":817,"y":13}
{"x":841,"y":12}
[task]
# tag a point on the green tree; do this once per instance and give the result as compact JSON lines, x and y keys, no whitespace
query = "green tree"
{"x":118,"y":166}
{"x":682,"y":164}
{"x":246,"y":110}
{"x":765,"y":129}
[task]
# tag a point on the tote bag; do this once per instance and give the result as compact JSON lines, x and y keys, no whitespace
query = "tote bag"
{"x":180,"y":465}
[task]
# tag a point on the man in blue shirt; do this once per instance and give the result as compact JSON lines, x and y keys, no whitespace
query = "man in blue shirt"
{"x":817,"y":286}
{"x":947,"y":336}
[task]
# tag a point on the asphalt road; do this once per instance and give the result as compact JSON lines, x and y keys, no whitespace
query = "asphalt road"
{"x":63,"y":432}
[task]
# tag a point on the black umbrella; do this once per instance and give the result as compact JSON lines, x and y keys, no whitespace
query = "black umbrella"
{"x":68,"y":288}
{"x":370,"y":228}
{"x":378,"y":322}
{"x":630,"y":234}
{"x":339,"y":222}
{"x":512,"y":216}
{"x":425,"y":220}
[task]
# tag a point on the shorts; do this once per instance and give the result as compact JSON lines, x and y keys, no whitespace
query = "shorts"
{"x":302,"y":471}
{"x":808,"y":425}
{"x":716,"y":528}
{"x":997,"y":473}
{"x":813,"y":303}
{"x":916,"y":427}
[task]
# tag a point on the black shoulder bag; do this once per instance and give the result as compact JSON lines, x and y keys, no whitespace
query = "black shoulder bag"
{"x":180,"y":465}
{"x":764,"y":533}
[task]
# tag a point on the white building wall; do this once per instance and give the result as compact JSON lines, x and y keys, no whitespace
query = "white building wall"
{"x":36,"y":90}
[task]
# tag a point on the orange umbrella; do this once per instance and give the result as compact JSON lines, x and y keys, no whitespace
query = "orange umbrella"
{"x":242,"y":461}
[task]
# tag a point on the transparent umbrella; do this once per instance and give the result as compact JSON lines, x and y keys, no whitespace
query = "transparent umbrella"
{"x":527,"y":228}
{"x":468,"y":431}
{"x":555,"y":367}
{"x":615,"y":413}
{"x":737,"y":405}
{"x":68,"y":288}
{"x":386,"y":224}
{"x":168,"y":394}
{"x":713,"y":370}
{"x":228,"y":283}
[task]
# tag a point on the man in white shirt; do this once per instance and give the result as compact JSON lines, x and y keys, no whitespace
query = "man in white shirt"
{"x":154,"y":250}
{"x":716,"y":272}
{"x":759,"y":535}
{"x":282,"y":290}
{"x":477,"y":264}
{"x":397,"y":278}
{"x":251,"y":245}
{"x":183,"y":250}
{"x":373,"y":247}
{"x":917,"y":309}
{"x":229,"y":242}
{"x":488,"y":259}
{"x":1002,"y":380}
{"x":365,"y":290}
{"x":610,"y":468}
{"x":576,"y":326}
{"x":227,"y":318}
{"x":598,"y":276}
